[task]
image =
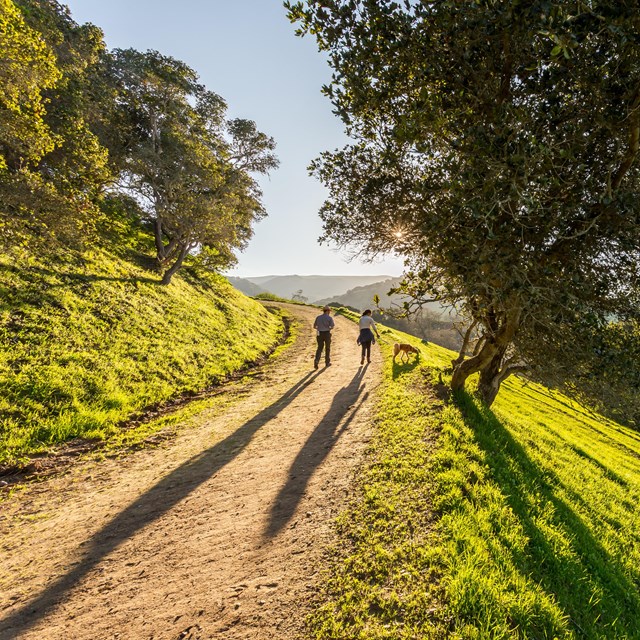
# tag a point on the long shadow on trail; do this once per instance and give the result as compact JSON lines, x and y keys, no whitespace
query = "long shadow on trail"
{"x":150,"y":506}
{"x":571,"y":578}
{"x":347,"y":401}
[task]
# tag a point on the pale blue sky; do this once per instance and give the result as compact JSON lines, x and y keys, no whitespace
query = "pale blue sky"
{"x":246,"y":51}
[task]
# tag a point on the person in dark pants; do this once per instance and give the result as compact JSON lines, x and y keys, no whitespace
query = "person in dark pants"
{"x":323,"y":325}
{"x":367,"y":327}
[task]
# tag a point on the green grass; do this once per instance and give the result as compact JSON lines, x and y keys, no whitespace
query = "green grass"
{"x":518,"y":522}
{"x":88,"y":340}
{"x":190,"y":413}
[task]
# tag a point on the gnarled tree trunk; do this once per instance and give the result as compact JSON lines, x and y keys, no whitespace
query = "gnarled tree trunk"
{"x":168,"y":274}
{"x":465,"y":344}
{"x":489,"y":361}
{"x":490,"y":380}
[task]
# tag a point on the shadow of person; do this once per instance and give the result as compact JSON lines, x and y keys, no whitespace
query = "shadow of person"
{"x":150,"y":506}
{"x":344,"y":407}
{"x":570,"y":578}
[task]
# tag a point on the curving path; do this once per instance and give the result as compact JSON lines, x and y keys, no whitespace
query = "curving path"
{"x":218,"y":533}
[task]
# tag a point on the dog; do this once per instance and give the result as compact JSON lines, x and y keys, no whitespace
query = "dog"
{"x":405,"y":349}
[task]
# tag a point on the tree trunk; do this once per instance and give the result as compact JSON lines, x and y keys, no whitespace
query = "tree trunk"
{"x":489,"y":360}
{"x":157,"y":236}
{"x":465,"y":345}
{"x":491,"y":378}
{"x":164,"y":252}
{"x":168,"y":274}
{"x":473,"y":365}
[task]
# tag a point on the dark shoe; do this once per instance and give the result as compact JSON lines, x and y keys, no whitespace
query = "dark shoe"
{"x":368,"y":361}
{"x":362,"y":361}
{"x":315,"y":365}
{"x":328,"y":364}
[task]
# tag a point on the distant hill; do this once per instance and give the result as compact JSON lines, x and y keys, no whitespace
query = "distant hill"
{"x":246,"y":286}
{"x":314,"y":288}
{"x":433,"y":322}
{"x":362,"y":298}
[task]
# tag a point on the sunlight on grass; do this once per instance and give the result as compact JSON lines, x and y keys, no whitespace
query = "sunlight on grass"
{"x":517,"y":522}
{"x":87,"y":342}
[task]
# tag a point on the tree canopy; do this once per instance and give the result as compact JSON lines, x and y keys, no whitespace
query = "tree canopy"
{"x":56,"y":165}
{"x":190,"y":167}
{"x":81,"y":126}
{"x":27,"y":68}
{"x":495,"y":147}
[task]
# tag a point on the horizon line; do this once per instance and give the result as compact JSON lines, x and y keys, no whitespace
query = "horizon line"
{"x":311,"y":275}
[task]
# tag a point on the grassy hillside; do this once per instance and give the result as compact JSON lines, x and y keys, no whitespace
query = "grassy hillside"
{"x":87,"y":340}
{"x":517,"y":522}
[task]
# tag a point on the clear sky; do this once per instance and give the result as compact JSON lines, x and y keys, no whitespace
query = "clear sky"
{"x":247,"y":52}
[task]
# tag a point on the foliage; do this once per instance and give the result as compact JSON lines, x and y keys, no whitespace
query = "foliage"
{"x":424,"y":324}
{"x":340,"y":306}
{"x":496,"y":149}
{"x":272,"y":297}
{"x":54,"y":165}
{"x":190,"y":167}
{"x":469,"y":523}
{"x":609,"y":381}
{"x":87,"y":340}
{"x":27,"y":68}
{"x":75,"y":119}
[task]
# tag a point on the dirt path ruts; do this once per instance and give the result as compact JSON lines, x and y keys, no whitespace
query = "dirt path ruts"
{"x":218,"y":534}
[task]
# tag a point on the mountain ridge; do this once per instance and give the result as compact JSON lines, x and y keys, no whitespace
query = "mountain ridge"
{"x":312,"y":287}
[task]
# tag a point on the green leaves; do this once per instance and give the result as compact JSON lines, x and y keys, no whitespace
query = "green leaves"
{"x":52,"y":163}
{"x":500,"y":134}
{"x":27,"y":70}
{"x":190,"y":166}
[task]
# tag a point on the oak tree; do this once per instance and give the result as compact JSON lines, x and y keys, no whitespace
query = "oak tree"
{"x":54,"y":166}
{"x":191,"y":168}
{"x":495,"y":148}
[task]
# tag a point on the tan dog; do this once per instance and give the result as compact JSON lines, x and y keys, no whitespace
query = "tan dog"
{"x":405,"y":349}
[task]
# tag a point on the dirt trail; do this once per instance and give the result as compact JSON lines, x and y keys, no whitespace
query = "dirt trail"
{"x":217,"y":534}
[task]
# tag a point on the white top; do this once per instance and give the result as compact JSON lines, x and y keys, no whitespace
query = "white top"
{"x":366,"y":322}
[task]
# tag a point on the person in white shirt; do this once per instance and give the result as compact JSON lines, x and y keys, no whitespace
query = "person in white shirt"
{"x":367,"y":329}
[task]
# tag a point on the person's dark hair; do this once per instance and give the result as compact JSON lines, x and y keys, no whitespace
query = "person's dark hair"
{"x":366,"y":312}
{"x":326,"y":309}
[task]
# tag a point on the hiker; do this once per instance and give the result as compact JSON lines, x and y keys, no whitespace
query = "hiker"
{"x":365,"y":339}
{"x":323,"y":325}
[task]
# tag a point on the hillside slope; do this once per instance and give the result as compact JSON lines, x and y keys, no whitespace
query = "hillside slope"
{"x":313,"y":287}
{"x":88,"y":340}
{"x":361,"y":297}
{"x":518,"y":522}
{"x":245,"y":286}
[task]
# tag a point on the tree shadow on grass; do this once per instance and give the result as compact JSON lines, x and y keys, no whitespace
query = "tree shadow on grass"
{"x":555,"y":400}
{"x":149,"y":507}
{"x":572,"y":578}
{"x":317,"y":447}
{"x":85,"y":278}
{"x":590,"y":427}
